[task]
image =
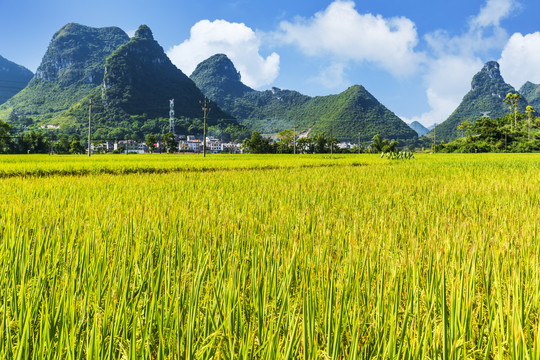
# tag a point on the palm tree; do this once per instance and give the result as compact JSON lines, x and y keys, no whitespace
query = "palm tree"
{"x":512,"y":101}
{"x":529,"y":112}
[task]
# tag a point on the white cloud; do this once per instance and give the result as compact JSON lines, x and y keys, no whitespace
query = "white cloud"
{"x":332,"y":77}
{"x":131,"y":33}
{"x":493,"y":12}
{"x":520,"y":59}
{"x":239,"y":42}
{"x":448,"y":80}
{"x":456,"y":58}
{"x":341,"y":33}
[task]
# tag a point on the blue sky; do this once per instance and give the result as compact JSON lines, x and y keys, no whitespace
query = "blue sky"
{"x":416,"y":57}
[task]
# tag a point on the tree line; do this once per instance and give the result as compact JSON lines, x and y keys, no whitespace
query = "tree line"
{"x":515,"y":132}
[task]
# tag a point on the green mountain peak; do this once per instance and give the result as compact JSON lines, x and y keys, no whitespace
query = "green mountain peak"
{"x":352,"y":113}
{"x":139,"y":81}
{"x":218,"y":78}
{"x":531,"y":92}
{"x":488,"y":90}
{"x":13,"y":78}
{"x":419,"y":128}
{"x":72,"y":67}
{"x":144,"y":32}
{"x":77,"y":54}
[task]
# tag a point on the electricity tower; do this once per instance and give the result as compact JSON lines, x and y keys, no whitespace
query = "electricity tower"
{"x":171,"y":116}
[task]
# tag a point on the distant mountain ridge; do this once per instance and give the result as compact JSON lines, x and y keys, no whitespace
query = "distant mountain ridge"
{"x":13,"y":78}
{"x":419,"y":128}
{"x":531,"y":92}
{"x":488,"y":90}
{"x":72,"y":67}
{"x":140,"y":80}
{"x":350,"y":115}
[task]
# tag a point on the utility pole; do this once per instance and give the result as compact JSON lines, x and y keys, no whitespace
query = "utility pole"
{"x":171,"y":116}
{"x":90,"y":129}
{"x":359,"y":143}
{"x":205,"y":108}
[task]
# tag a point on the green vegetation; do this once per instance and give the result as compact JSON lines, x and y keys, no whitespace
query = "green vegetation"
{"x":132,"y":82}
{"x":271,"y":257}
{"x":49,"y":166}
{"x":398,"y":155}
{"x":485,"y":98}
{"x":512,"y":133}
{"x":531,"y":92}
{"x":72,"y":67}
{"x":13,"y":78}
{"x":378,"y":144}
{"x":217,"y":77}
{"x":353,"y":113}
{"x":319,"y":143}
{"x":419,"y":128}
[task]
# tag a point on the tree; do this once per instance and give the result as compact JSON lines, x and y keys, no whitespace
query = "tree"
{"x":376,"y":143}
{"x":151,"y":142}
{"x":466,"y":126}
{"x":6,"y":144}
{"x":320,"y":143}
{"x":62,"y":146}
{"x":171,"y":145}
{"x":286,"y":141}
{"x":513,"y":100}
{"x":34,"y":143}
{"x":306,"y":145}
{"x":257,"y":144}
{"x":75,"y":147}
{"x":529,"y":112}
{"x":486,"y":129}
{"x":389,"y":146}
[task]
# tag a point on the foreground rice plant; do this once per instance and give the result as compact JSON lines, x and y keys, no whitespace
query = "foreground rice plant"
{"x":434,"y":258}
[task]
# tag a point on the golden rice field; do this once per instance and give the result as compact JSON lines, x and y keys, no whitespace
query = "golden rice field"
{"x":270,"y":257}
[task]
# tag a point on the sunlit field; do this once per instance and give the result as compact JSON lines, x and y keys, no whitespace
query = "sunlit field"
{"x":270,"y":257}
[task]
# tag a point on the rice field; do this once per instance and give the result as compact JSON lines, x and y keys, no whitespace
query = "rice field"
{"x":270,"y":257}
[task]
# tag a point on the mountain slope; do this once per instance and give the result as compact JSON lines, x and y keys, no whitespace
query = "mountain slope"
{"x":71,"y":68}
{"x":218,"y":77}
{"x":419,"y":128}
{"x":139,"y":81}
{"x":488,"y":91}
{"x":531,"y":92}
{"x":352,"y":114}
{"x":13,"y":78}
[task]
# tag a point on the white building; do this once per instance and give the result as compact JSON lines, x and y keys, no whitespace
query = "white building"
{"x":131,"y":146}
{"x":194,"y":145}
{"x":103,"y":147}
{"x":214,"y":145}
{"x":231,"y":147}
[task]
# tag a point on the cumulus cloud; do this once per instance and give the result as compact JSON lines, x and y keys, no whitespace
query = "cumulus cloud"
{"x":239,"y":42}
{"x":332,"y":77}
{"x":456,"y":58}
{"x":520,"y":59}
{"x":340,"y":32}
{"x":493,"y":12}
{"x":448,"y":79}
